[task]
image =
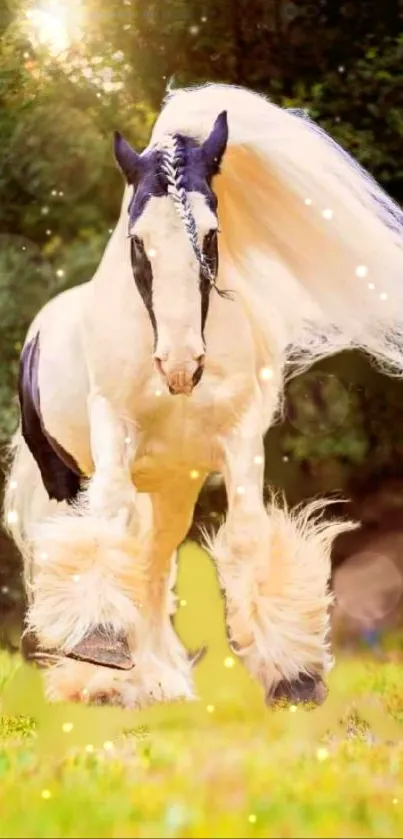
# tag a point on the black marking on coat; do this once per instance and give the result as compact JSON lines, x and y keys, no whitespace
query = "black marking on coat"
{"x":59,"y":471}
{"x":210,"y":251}
{"x":143,"y":277}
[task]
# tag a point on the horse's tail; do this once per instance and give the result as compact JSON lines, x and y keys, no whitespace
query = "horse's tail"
{"x":306,"y":232}
{"x":26,"y":501}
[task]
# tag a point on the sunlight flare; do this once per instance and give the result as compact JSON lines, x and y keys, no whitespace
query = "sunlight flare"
{"x":55,"y":24}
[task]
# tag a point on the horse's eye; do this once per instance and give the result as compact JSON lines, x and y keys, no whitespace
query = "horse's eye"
{"x":137,"y":244}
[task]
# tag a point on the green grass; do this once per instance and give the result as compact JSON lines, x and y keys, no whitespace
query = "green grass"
{"x":224,"y":766}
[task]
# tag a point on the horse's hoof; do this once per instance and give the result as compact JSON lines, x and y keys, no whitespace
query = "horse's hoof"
{"x":104,"y":698}
{"x":305,"y":689}
{"x":104,"y":647}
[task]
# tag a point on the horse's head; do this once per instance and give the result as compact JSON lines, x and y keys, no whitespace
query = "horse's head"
{"x":173,"y":229}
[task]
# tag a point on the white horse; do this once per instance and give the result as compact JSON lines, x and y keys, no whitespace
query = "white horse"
{"x":245,"y":235}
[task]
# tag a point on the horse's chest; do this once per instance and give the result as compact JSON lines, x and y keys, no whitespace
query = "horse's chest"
{"x":178,"y":423}
{"x":178,"y":432}
{"x":172,"y":439}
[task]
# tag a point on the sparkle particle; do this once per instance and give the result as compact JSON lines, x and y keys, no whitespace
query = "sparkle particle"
{"x":108,"y":745}
{"x":259,"y":459}
{"x":266,"y":373}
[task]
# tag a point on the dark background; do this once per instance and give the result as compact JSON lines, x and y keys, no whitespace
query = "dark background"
{"x":60,"y":195}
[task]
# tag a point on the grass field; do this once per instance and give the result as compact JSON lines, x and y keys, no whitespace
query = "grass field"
{"x":221,"y":767}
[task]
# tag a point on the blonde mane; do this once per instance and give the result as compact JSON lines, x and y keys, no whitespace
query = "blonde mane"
{"x":309,"y":241}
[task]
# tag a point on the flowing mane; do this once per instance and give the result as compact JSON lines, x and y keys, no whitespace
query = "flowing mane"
{"x":308,"y":237}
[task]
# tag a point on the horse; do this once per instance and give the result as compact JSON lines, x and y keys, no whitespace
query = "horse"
{"x":249,"y":243}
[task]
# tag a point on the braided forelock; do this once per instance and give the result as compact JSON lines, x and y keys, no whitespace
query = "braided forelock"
{"x":172,"y":165}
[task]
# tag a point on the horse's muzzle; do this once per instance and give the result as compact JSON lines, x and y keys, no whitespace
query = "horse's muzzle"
{"x":181,"y":380}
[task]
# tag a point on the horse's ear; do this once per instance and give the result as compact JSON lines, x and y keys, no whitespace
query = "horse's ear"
{"x":127,"y":159}
{"x":214,"y":147}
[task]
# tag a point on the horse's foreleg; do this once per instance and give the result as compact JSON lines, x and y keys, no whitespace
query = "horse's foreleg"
{"x":89,"y":586}
{"x":90,"y":564}
{"x":274,"y":569}
{"x":133,"y":577}
{"x":172,"y":514}
{"x":111,"y":491}
{"x":163,"y":666}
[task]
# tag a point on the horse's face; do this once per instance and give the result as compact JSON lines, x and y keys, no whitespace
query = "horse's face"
{"x":173,"y":228}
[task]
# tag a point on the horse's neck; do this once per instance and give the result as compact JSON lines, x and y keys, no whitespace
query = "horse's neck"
{"x":117,"y":248}
{"x":114,"y":277}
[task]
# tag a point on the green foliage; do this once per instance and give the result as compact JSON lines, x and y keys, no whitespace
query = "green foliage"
{"x":8,"y":669}
{"x":60,"y":191}
{"x":26,"y":282}
{"x":343,"y":424}
{"x":16,"y":728}
{"x":362,"y":108}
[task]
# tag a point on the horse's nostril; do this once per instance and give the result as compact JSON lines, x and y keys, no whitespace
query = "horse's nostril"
{"x":159,"y":366}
